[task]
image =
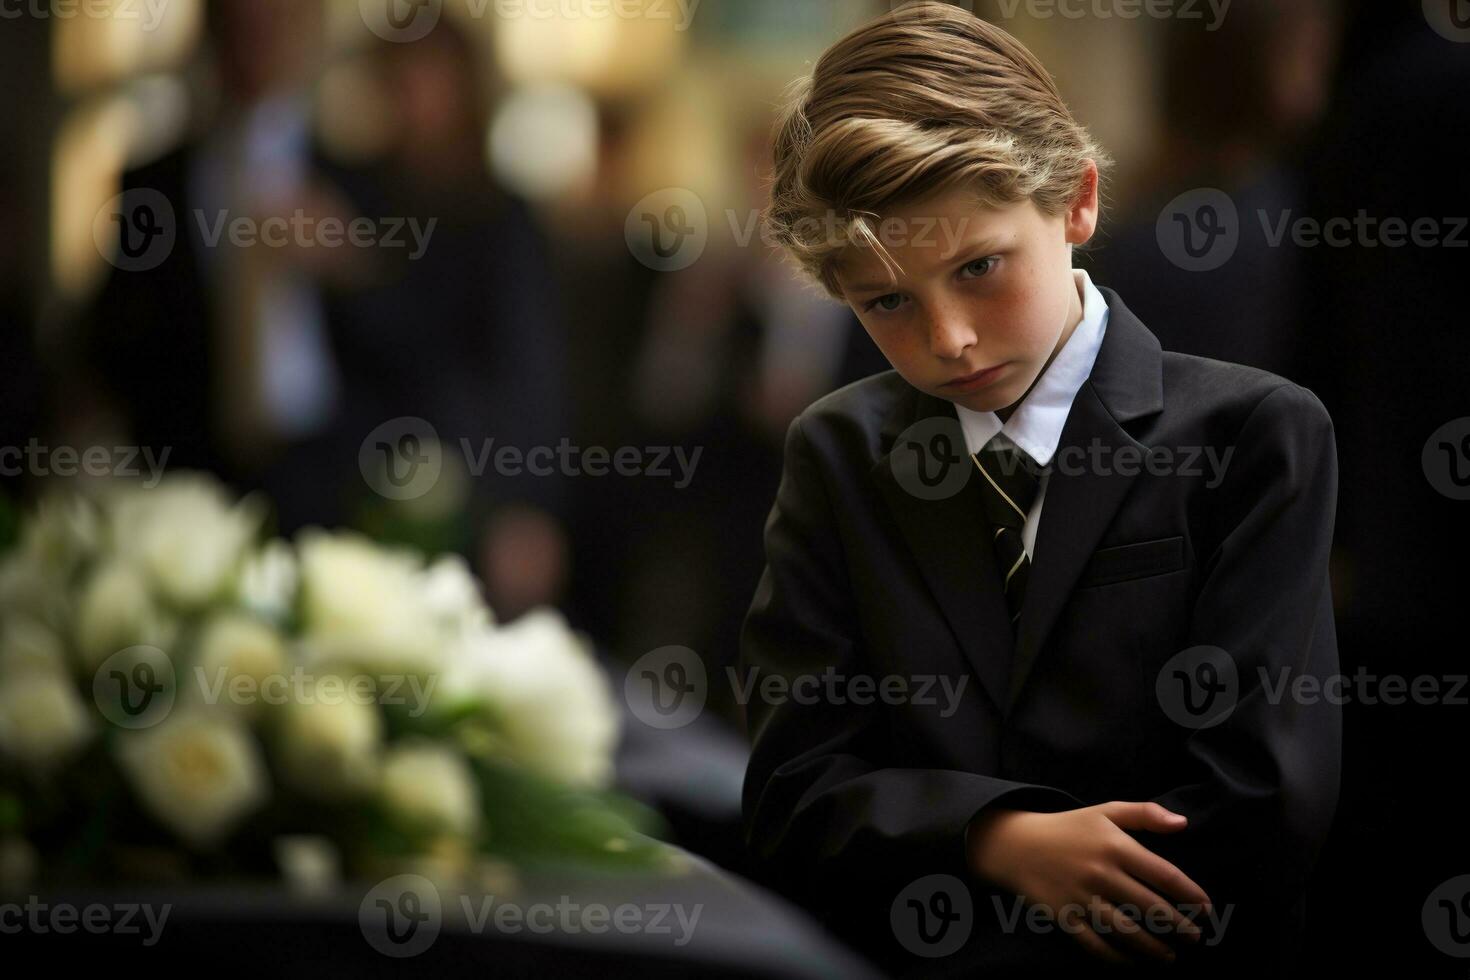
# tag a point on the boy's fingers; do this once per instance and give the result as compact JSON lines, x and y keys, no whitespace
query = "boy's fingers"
{"x":1164,"y":876}
{"x":1130,"y":933}
{"x":1098,"y":946}
{"x":1144,"y":816}
{"x":1130,"y":891}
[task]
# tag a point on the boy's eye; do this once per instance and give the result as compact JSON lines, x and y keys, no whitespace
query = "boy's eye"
{"x":890,"y":302}
{"x":987,"y":263}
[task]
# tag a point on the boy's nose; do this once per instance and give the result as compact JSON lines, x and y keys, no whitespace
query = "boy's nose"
{"x":950,"y":334}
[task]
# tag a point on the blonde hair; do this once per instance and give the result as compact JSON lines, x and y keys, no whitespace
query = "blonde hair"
{"x":917,"y":102}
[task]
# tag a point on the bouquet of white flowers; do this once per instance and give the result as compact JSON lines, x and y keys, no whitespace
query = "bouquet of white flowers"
{"x":179,"y":697}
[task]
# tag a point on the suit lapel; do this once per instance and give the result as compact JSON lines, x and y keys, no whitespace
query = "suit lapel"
{"x":1085,"y":490}
{"x":949,"y":536}
{"x":949,"y":540}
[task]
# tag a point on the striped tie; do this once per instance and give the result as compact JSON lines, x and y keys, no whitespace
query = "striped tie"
{"x":1009,"y":481}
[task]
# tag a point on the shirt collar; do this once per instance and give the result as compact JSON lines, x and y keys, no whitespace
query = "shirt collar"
{"x":1036,"y":424}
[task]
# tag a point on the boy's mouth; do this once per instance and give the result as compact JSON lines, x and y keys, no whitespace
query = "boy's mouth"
{"x":979,"y":379}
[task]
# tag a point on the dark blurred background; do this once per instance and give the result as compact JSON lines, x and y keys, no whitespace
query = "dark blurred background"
{"x":531,"y":314}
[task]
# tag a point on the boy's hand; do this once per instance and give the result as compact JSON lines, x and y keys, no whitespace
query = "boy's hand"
{"x":1084,"y":858}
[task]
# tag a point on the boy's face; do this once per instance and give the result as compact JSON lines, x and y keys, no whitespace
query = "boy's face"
{"x":982,"y":290}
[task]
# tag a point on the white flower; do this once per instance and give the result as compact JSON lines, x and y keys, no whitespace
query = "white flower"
{"x":65,"y":531}
{"x":29,"y":587}
{"x":200,"y":774}
{"x":330,"y":741}
{"x":366,"y":606}
{"x":553,"y":705}
{"x":310,"y":863}
{"x":115,"y":611}
{"x":429,"y":786}
{"x":233,"y":645}
{"x":453,"y":596}
{"x":185,"y":533}
{"x":42,"y":719}
{"x":267,"y":585}
{"x":28,"y":646}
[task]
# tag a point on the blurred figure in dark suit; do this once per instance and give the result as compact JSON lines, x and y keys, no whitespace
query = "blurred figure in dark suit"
{"x":220,"y":352}
{"x":1238,"y":102}
{"x":470,"y":334}
{"x":23,"y":393}
{"x":1387,"y":351}
{"x":734,"y":348}
{"x":271,"y":364}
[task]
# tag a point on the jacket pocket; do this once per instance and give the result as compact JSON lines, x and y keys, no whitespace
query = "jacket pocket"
{"x":1124,"y":562}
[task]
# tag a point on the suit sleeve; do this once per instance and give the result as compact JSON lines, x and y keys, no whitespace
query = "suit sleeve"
{"x":1262,"y":784}
{"x":827,"y":817}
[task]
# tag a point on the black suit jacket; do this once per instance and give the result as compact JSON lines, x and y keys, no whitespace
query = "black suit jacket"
{"x":847,"y":804}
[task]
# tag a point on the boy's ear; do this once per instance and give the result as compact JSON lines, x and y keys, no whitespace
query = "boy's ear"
{"x":1081,"y":218}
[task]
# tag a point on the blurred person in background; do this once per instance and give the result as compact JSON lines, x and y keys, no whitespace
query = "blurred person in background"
{"x":734,"y":348}
{"x":22,"y":396}
{"x":470,"y":334}
{"x":271,"y":365}
{"x":1238,"y":104}
{"x":1389,"y":352}
{"x":221,"y":353}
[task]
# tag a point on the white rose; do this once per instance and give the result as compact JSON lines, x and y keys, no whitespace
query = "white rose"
{"x":42,"y":719}
{"x":331,"y":742}
{"x":452,"y":595}
{"x":28,"y":646}
{"x":116,"y":611}
{"x":65,"y":531}
{"x":364,"y":605}
{"x":233,"y":645}
{"x":267,"y":585}
{"x":29,"y":587}
{"x":553,"y":704}
{"x":200,"y":774}
{"x":185,"y":533}
{"x":429,"y":786}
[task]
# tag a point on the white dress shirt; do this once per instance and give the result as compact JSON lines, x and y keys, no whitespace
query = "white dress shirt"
{"x":265,"y":156}
{"x":1036,"y":424}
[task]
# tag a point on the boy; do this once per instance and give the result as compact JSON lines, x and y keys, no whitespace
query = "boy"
{"x":1122,"y":574}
